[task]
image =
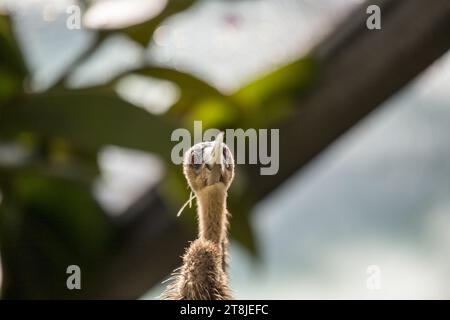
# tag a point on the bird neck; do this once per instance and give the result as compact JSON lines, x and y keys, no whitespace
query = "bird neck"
{"x":212,"y":213}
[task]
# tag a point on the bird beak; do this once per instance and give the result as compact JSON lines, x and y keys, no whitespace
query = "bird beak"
{"x":216,"y":154}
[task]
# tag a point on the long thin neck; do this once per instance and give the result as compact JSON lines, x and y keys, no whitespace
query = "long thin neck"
{"x":212,"y":214}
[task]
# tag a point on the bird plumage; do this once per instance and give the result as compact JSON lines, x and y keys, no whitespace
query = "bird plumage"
{"x":209,"y":170}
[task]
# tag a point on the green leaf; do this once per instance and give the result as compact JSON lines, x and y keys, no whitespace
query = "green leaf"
{"x":142,"y":32}
{"x":273,"y":96}
{"x":88,"y":119}
{"x":290,"y":79}
{"x":214,"y":112}
{"x":187,"y":82}
{"x":67,"y":207}
{"x":11,"y":84}
{"x":46,"y":224}
{"x":199,"y":100}
{"x":12,"y":66}
{"x":192,"y":88}
{"x":10,"y":55}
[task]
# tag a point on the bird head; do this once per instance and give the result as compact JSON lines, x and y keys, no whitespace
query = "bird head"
{"x":209,"y":164}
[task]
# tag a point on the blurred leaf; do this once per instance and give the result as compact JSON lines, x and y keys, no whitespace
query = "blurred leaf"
{"x":187,"y":82}
{"x":10,"y":85}
{"x":142,"y":33}
{"x":214,"y":113}
{"x":77,"y":167}
{"x":12,"y":66}
{"x":10,"y":55}
{"x":67,"y":207}
{"x":287,"y":80}
{"x":88,"y":119}
{"x":274,"y":95}
{"x":199,"y":100}
{"x":192,"y":88}
{"x":50,"y":223}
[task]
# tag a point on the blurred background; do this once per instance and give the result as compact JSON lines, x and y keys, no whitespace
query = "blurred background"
{"x":90,"y":92}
